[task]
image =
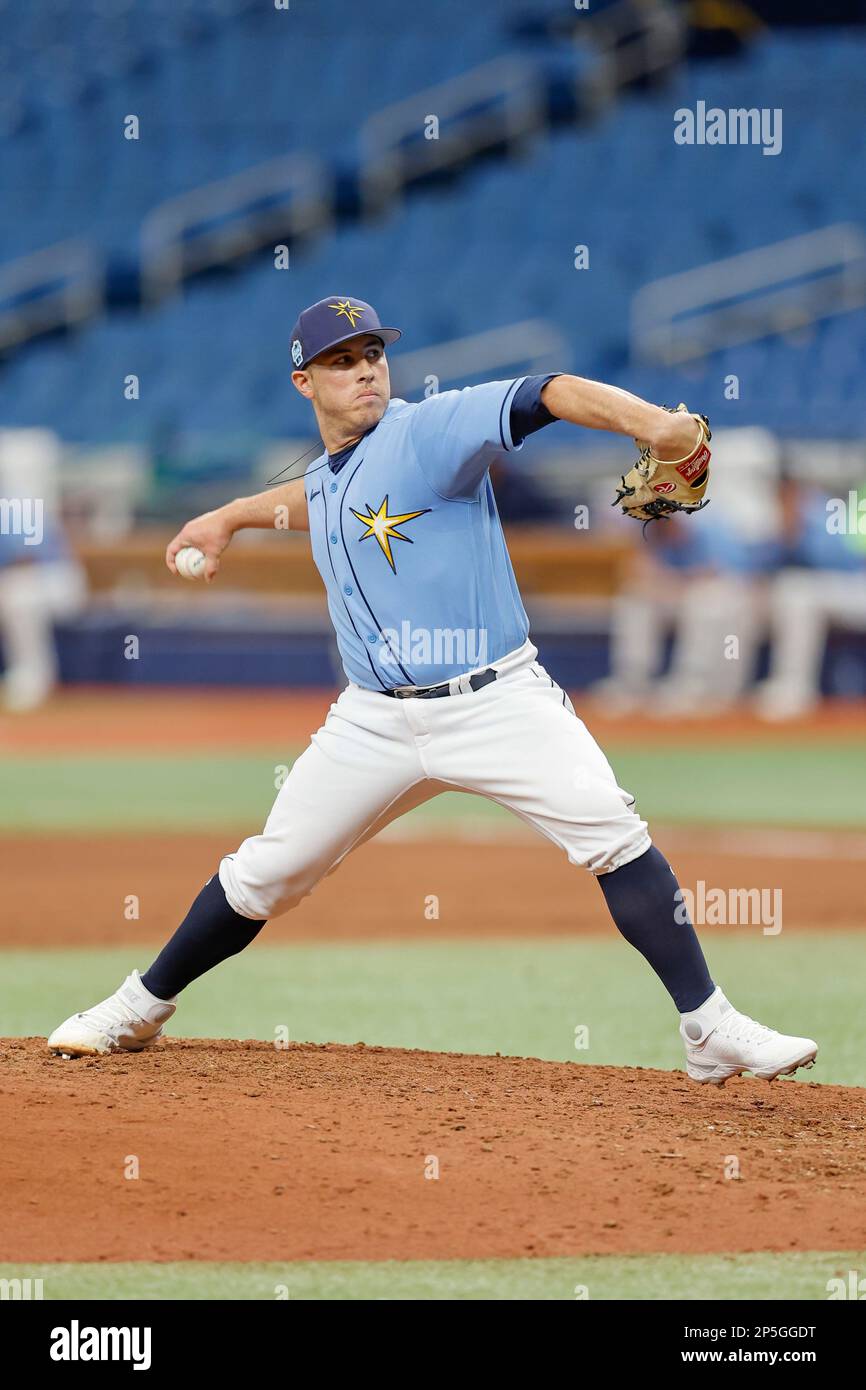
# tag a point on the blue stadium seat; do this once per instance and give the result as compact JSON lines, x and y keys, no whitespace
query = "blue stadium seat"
{"x":226,"y":84}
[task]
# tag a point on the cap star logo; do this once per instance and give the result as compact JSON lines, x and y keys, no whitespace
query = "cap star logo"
{"x":384,"y":527}
{"x":346,"y":309}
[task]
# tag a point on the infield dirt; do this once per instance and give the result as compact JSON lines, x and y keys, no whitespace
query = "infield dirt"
{"x":218,"y":1150}
{"x":521,"y":889}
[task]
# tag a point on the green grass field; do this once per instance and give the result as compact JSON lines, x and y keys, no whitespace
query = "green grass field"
{"x":774,"y":784}
{"x":518,"y":998}
{"x":592,"y":1277}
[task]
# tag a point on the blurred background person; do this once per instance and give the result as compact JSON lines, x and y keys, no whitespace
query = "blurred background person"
{"x":821,"y":587}
{"x":41,"y":581}
{"x":696,"y":587}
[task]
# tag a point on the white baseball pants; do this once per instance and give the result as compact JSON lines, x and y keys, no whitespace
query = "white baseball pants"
{"x":804,"y":606}
{"x":32,"y":598}
{"x":516,"y":741}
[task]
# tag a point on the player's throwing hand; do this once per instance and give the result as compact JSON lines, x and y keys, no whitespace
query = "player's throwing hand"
{"x":209,"y":533}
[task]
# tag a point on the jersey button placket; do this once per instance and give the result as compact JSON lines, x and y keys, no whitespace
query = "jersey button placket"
{"x":332,"y":537}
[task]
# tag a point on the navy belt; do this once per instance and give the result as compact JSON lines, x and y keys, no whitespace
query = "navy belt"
{"x":433,"y":692}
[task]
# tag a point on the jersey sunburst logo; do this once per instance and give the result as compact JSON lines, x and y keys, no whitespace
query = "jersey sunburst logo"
{"x":384,"y":527}
{"x":346,"y":309}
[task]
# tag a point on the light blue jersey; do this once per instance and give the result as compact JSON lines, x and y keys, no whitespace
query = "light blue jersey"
{"x":408,"y":541}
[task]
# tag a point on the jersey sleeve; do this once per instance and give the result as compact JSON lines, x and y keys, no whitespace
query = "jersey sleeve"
{"x":528,"y":411}
{"x":457,"y":435}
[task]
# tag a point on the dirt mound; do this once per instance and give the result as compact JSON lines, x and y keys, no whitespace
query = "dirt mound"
{"x":247,"y":1152}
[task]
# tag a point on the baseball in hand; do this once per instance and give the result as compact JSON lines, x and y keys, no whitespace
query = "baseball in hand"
{"x":190,"y":562}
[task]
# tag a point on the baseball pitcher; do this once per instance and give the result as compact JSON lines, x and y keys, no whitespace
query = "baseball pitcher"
{"x":444,"y":689}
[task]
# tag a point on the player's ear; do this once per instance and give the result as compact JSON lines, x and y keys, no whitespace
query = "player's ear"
{"x":302,"y":381}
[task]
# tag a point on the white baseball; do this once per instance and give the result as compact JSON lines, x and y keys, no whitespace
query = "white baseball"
{"x":190,"y":562}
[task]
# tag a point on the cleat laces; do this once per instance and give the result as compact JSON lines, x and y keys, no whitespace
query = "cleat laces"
{"x":740,"y":1028}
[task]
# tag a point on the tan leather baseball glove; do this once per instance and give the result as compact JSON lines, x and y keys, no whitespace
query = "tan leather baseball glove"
{"x":655,"y":488}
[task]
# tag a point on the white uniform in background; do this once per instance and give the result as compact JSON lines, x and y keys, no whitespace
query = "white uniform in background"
{"x":805,"y":605}
{"x":41,"y":582}
{"x":707,"y":601}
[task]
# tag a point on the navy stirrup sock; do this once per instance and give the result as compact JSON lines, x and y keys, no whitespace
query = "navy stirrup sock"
{"x":643,"y":898}
{"x":211,"y":931}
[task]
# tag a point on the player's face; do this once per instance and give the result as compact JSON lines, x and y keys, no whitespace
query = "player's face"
{"x":350,"y":385}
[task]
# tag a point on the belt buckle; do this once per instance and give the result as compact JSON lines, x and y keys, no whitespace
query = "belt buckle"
{"x":403,"y":692}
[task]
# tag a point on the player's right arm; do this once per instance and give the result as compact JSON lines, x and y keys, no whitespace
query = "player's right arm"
{"x":281,"y":508}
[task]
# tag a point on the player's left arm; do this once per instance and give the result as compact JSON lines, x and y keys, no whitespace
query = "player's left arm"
{"x":597,"y":406}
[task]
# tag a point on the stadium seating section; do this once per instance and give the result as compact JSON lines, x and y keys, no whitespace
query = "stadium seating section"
{"x":220,"y":85}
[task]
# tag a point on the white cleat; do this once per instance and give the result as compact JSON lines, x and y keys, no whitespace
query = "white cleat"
{"x":721,"y":1043}
{"x":128,"y":1020}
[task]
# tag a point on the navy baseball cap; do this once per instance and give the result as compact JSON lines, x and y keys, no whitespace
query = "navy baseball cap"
{"x":332,"y":321}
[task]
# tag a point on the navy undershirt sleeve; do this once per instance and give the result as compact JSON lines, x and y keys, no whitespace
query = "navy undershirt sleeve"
{"x":528,"y":411}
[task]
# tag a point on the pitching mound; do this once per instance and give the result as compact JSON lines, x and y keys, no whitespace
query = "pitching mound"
{"x":238,"y":1151}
